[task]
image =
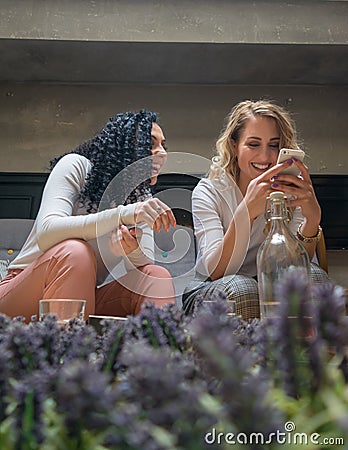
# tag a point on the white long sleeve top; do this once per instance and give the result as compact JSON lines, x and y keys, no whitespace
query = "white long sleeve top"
{"x":60,"y":217}
{"x":213,"y":205}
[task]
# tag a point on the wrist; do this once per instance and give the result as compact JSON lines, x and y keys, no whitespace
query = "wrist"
{"x":128,"y":214}
{"x":307,"y":239}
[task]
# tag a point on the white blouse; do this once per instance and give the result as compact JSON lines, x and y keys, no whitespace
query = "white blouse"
{"x":60,"y":218}
{"x":213,"y":205}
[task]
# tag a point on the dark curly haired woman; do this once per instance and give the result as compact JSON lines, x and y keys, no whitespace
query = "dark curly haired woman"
{"x":82,"y":245}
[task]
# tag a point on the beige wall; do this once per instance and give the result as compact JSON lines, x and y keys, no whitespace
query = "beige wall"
{"x":40,"y":121}
{"x":53,"y":97}
{"x":247,"y":21}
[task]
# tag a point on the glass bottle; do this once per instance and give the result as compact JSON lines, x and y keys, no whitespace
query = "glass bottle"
{"x":279,"y":252}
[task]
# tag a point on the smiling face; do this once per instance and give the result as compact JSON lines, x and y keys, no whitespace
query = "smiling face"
{"x":257,"y":148}
{"x":159,"y":154}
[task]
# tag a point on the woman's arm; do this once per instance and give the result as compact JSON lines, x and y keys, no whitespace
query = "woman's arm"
{"x":56,"y":222}
{"x":220,"y":252}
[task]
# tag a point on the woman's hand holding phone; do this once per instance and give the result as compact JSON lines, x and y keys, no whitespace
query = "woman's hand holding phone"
{"x":124,"y":241}
{"x":286,"y":154}
{"x":298,"y":188}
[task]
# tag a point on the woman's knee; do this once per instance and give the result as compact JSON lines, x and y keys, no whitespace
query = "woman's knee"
{"x":76,"y":253}
{"x":156,"y":271}
{"x":156,"y":284}
{"x":240,"y":289}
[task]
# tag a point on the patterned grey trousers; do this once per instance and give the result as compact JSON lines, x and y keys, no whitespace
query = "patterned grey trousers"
{"x":240,"y":288}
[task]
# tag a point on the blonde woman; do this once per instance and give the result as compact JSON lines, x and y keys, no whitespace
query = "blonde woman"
{"x":228,"y":206}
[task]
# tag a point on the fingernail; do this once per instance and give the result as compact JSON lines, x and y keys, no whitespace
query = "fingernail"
{"x":274,"y":185}
{"x":290,"y":161}
{"x":274,"y":177}
{"x":295,"y":159}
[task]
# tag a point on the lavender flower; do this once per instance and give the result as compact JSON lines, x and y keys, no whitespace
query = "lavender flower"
{"x":110,"y":345}
{"x":29,"y":395}
{"x":160,"y":326}
{"x":84,"y":397}
{"x":25,"y":348}
{"x":331,"y":324}
{"x":77,"y":341}
{"x":330,"y":315}
{"x":162,"y":379}
{"x":242,"y":390}
{"x":131,"y":431}
{"x":5,"y":373}
{"x":4,"y":324}
{"x":48,"y":336}
{"x":209,"y":300}
{"x":294,"y":333}
{"x":168,"y":389}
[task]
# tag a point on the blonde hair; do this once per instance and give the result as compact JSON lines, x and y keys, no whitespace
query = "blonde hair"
{"x":226,"y":159}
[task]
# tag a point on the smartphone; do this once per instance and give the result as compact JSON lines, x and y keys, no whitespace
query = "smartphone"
{"x":288,"y":153}
{"x":132,"y":230}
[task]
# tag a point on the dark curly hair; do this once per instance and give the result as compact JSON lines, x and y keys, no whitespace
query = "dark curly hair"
{"x":123,"y":140}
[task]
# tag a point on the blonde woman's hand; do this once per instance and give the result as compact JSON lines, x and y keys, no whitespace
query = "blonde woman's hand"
{"x":255,"y":197}
{"x":300,"y":192}
{"x":259,"y":189}
{"x":155,"y":213}
{"x":124,"y":241}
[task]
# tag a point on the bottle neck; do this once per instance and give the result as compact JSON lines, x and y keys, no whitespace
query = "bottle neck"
{"x":278,"y":211}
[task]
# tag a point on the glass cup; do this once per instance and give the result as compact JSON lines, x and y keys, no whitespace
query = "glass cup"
{"x":63,"y":308}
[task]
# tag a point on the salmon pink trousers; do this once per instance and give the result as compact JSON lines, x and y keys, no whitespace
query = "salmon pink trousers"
{"x":68,"y":270}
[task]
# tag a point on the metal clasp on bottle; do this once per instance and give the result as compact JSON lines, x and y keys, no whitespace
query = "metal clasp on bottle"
{"x":267,"y":212}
